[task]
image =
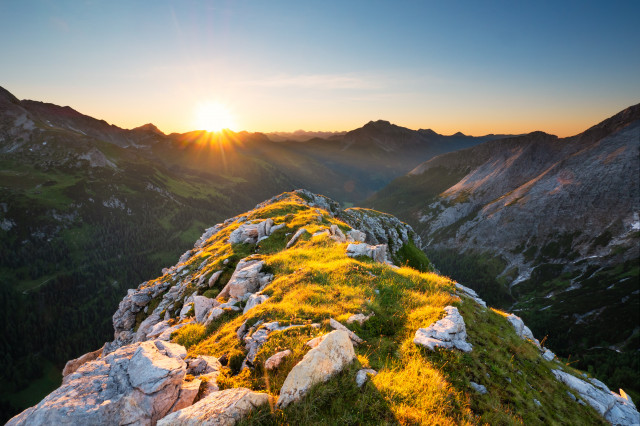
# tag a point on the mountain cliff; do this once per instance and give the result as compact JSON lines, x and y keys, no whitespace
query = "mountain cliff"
{"x":544,"y":226}
{"x":299,"y":312}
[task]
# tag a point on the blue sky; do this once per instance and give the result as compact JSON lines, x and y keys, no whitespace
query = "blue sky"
{"x":475,"y":67}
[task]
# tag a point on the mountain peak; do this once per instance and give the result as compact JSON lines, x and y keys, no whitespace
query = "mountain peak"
{"x":8,"y":96}
{"x":149,"y":127}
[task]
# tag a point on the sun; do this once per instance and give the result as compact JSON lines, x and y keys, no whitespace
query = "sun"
{"x":213,"y":117}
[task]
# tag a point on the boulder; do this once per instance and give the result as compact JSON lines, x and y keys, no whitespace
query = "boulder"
{"x":449,"y":332}
{"x":356,"y":236}
{"x":72,"y":365}
{"x":137,"y":383}
{"x":203,"y":364}
{"x":331,"y":356}
{"x":247,"y":278}
{"x":187,"y":395}
{"x":359,"y":318}
{"x":548,"y":355}
{"x":214,"y":278}
{"x":614,"y":408}
{"x":214,"y":314}
{"x":377,"y":253}
{"x":296,"y":236}
{"x":202,"y":305}
{"x":522,"y":330}
{"x":275,"y":360}
{"x":337,"y":234}
{"x":363,"y":375}
{"x":478,"y":388}
{"x":253,"y":301}
{"x":472,"y":294}
{"x":226,"y":407}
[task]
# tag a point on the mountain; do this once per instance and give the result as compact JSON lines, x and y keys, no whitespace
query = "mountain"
{"x":299,"y":312}
{"x":548,"y":227}
{"x":86,"y":208}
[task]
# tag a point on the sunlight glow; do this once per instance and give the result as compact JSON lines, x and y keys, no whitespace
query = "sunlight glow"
{"x":213,"y":117}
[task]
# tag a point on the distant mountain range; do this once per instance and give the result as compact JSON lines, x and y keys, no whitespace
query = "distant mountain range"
{"x":543,"y":226}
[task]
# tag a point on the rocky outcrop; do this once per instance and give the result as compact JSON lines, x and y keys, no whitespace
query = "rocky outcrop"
{"x":224,"y":408}
{"x":613,"y":407}
{"x":338,"y":326}
{"x":72,"y":365}
{"x":258,"y":334}
{"x":522,"y":330}
{"x":276,"y":359}
{"x":253,"y":301}
{"x":471,"y":294}
{"x":378,"y":253}
{"x":299,"y":233}
{"x":247,"y":278}
{"x":251,"y":233}
{"x":137,"y":383}
{"x":449,"y":332}
{"x":331,"y":356}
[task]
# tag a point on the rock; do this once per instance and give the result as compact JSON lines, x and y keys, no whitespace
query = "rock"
{"x":359,"y":318}
{"x":72,"y":365}
{"x":274,"y":228}
{"x":538,"y":403}
{"x":253,"y":301}
{"x":210,"y":381}
{"x":330,"y":357}
{"x":247,"y":278}
{"x":472,"y":294}
{"x":203,"y":364}
{"x":614,"y":408}
{"x":186,"y":309}
{"x":449,"y":332}
{"x":202,"y":305}
{"x":337,"y":326}
{"x":315,"y":341}
{"x":166,"y":334}
{"x":146,"y":326}
{"x":208,"y":234}
{"x":363,"y":375}
{"x":356,"y":236}
{"x":296,"y":236}
{"x":214,"y":278}
{"x":478,"y":388}
{"x":276,"y":359}
{"x":548,"y":355}
{"x":522,"y":330}
{"x":137,"y":383}
{"x":377,"y":253}
{"x":214,"y":314}
{"x":219,"y":408}
{"x":187,"y":395}
{"x":337,"y":234}
{"x":245,"y":233}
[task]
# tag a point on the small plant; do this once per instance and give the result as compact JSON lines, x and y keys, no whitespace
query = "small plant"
{"x":189,"y":335}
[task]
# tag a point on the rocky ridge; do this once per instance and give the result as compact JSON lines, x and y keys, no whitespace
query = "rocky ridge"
{"x":194,"y":346}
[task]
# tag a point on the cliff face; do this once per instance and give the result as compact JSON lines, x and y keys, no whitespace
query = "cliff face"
{"x":299,"y":312}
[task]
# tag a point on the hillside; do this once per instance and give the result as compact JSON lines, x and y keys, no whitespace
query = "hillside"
{"x":298,"y":312}
{"x":546,"y":227}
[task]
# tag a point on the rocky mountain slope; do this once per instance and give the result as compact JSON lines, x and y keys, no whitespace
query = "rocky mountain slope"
{"x":298,"y":312}
{"x":544,"y":226}
{"x":86,"y":207}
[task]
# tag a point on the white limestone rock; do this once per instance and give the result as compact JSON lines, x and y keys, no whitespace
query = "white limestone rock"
{"x":338,"y":326}
{"x":331,"y":356}
{"x":275,"y":360}
{"x":522,"y":330}
{"x":187,"y":395}
{"x":472,"y":294}
{"x":359,"y":318}
{"x":137,"y":383}
{"x":478,"y":388}
{"x":614,"y":408}
{"x":363,"y":375}
{"x":253,"y":301}
{"x":377,"y":253}
{"x":226,"y":407}
{"x":202,"y":305}
{"x":214,"y":278}
{"x":356,"y":236}
{"x":72,"y":365}
{"x":548,"y":355}
{"x":296,"y":237}
{"x":337,"y":234}
{"x":449,"y":332}
{"x":247,"y":278}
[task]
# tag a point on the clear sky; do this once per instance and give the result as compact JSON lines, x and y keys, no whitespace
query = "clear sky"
{"x":472,"y":66}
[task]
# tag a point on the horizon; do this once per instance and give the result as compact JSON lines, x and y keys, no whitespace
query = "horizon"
{"x":496,"y":68}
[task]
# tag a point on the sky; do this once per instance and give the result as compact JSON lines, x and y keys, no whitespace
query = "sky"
{"x":473,"y":66}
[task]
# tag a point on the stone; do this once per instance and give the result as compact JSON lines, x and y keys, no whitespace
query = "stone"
{"x":158,"y":329}
{"x":203,"y":364}
{"x":247,"y":278}
{"x":214,"y":314}
{"x":275,"y":360}
{"x":522,"y":330}
{"x":331,"y":356}
{"x":146,"y":326}
{"x":136,"y":383}
{"x":359,"y":318}
{"x":449,"y":332}
{"x":187,"y":395}
{"x":186,"y":309}
{"x":72,"y":365}
{"x":296,"y":236}
{"x":202,"y":305}
{"x":363,"y":375}
{"x":226,"y":407}
{"x":337,"y":234}
{"x":356,"y":236}
{"x":338,"y":326}
{"x":214,"y":278}
{"x":614,"y":408}
{"x":538,"y":403}
{"x":315,"y":341}
{"x":253,"y":301}
{"x":377,"y":253}
{"x":548,"y":355}
{"x":472,"y":294}
{"x":478,"y":388}
{"x":166,"y":334}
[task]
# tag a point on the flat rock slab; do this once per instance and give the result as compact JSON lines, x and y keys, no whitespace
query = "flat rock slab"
{"x":225,"y":407}
{"x":449,"y":332}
